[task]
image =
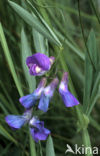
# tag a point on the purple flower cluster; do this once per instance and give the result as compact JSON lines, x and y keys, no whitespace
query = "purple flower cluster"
{"x":38,"y":64}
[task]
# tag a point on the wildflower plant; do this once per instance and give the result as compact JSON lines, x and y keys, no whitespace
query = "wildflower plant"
{"x":51,"y":81}
{"x":43,"y":94}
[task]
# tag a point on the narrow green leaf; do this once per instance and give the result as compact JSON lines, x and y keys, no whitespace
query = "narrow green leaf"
{"x":88,"y":73}
{"x":93,"y":101}
{"x":96,"y":85}
{"x":9,"y":60}
{"x":94,"y":95}
{"x":29,"y":19}
{"x":92,"y":47}
{"x":91,"y":88}
{"x":25,"y":52}
{"x":49,"y":147}
{"x":88,"y":82}
{"x":40,"y":43}
{"x":6,"y":134}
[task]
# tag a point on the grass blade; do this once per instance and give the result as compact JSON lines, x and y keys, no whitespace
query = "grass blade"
{"x":92,"y":47}
{"x":25,"y":52}
{"x":88,"y":73}
{"x":9,"y":60}
{"x":40,"y":43}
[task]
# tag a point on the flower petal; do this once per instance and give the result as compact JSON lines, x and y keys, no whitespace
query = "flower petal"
{"x":42,"y":135}
{"x":39,"y":134}
{"x":39,"y":63}
{"x":32,"y":131}
{"x":37,"y":129}
{"x":49,"y":90}
{"x":41,"y":60}
{"x":47,"y":95}
{"x":68,"y":99}
{"x":44,"y":103}
{"x":40,"y":87}
{"x":15,"y":121}
{"x":28,"y":101}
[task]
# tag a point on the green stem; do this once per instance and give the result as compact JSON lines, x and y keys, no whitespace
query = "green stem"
{"x":40,"y":149}
{"x":32,"y":146}
{"x":86,"y":141}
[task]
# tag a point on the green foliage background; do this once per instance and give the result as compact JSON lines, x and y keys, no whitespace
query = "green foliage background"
{"x":77,"y":27}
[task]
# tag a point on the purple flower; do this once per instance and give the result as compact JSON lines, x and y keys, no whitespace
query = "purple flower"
{"x":68,"y":99}
{"x":29,"y":100}
{"x":37,"y":129}
{"x":39,"y":63}
{"x":17,"y":121}
{"x":47,"y":95}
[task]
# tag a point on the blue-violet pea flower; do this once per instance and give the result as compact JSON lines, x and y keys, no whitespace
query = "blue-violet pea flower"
{"x":68,"y":99}
{"x":37,"y":129}
{"x":47,"y":95}
{"x":29,"y":100}
{"x":17,"y":121}
{"x":39,"y":63}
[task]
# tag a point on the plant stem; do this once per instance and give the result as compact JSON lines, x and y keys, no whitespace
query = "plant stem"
{"x":40,"y":149}
{"x":32,"y":146}
{"x":86,"y":141}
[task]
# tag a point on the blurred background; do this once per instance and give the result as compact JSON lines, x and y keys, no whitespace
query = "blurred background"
{"x":64,"y":19}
